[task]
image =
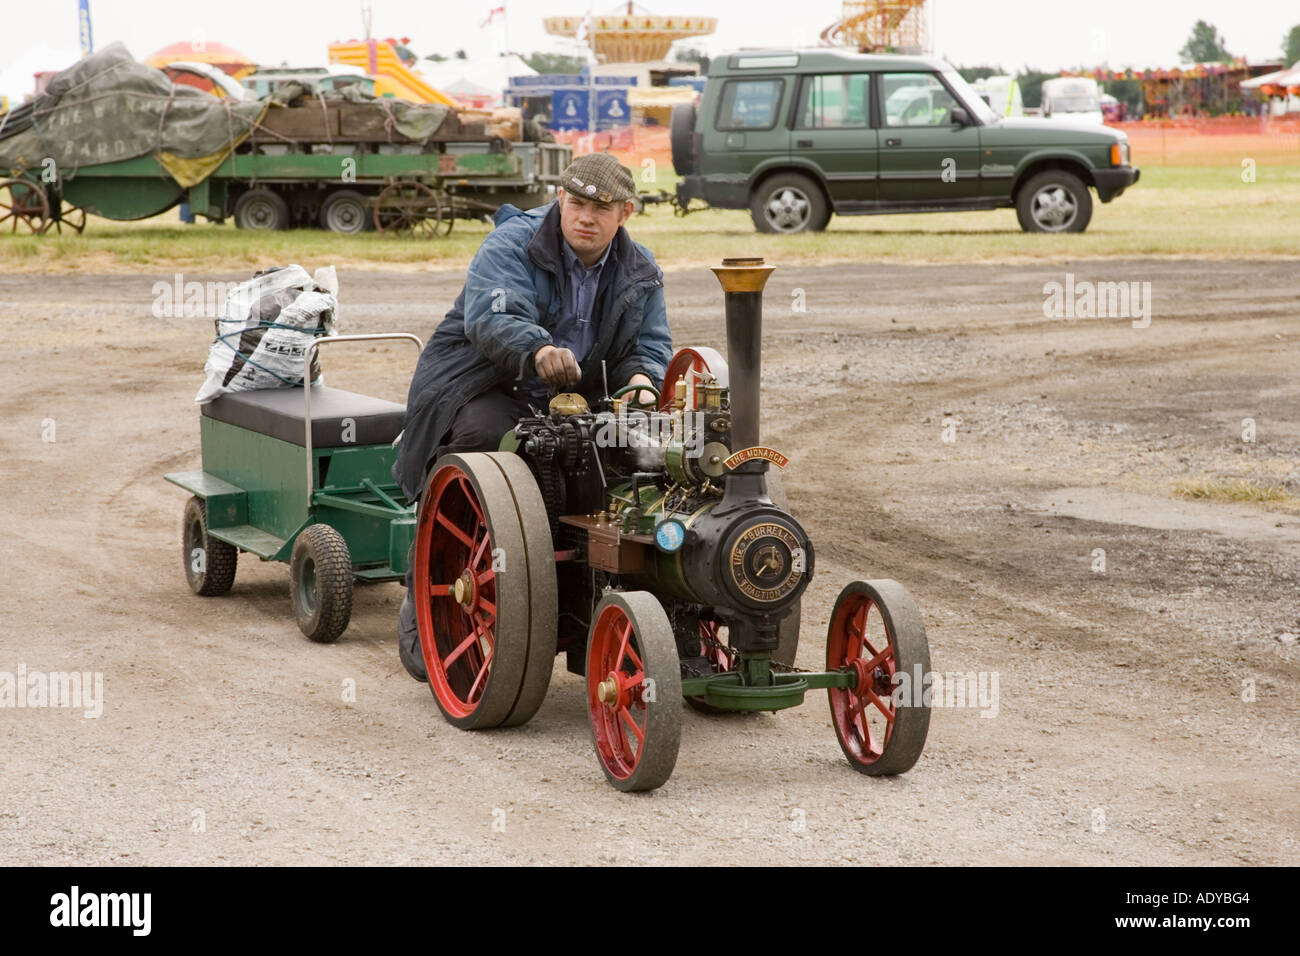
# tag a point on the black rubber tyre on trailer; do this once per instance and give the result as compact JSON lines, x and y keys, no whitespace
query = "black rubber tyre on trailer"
{"x":346,"y":211}
{"x":209,"y":563}
{"x":261,"y":210}
{"x":320,"y":583}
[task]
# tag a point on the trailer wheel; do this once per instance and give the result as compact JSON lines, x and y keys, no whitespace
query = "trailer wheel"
{"x":24,"y":207}
{"x":320,"y":583}
{"x":345,"y":210}
{"x":261,"y":210}
{"x":877,"y":631}
{"x":634,"y":690}
{"x":475,"y":591}
{"x":209,"y":563}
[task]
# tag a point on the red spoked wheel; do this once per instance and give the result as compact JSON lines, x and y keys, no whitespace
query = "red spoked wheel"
{"x":876,"y":632}
{"x":634,"y":690}
{"x":24,"y":208}
{"x":691,"y":364}
{"x":484,"y":591}
{"x":714,"y":647}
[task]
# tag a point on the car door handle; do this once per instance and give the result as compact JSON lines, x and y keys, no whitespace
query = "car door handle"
{"x":803,"y":144}
{"x":893,"y":142}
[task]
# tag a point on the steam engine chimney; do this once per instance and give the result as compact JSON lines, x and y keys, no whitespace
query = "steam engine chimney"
{"x":742,"y":283}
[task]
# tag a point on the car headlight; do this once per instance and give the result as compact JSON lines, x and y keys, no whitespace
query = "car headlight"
{"x":1119,"y":153}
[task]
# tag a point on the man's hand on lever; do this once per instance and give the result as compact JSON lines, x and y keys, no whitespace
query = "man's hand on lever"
{"x":557,"y":367}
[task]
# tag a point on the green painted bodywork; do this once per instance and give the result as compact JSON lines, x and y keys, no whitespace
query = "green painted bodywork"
{"x":256,"y":491}
{"x":138,"y":188}
{"x":858,"y":169}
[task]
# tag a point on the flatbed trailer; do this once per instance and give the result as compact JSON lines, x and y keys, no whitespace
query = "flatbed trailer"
{"x":405,"y":193}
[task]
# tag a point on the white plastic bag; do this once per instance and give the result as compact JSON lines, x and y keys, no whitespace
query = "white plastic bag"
{"x":265,"y":327}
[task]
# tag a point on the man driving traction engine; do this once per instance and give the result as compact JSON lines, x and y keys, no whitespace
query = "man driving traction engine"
{"x":551,"y":294}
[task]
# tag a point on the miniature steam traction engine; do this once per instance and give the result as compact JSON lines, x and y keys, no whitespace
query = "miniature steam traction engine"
{"x":653,"y":548}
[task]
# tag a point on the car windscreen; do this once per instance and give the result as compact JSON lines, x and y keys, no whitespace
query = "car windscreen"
{"x":1074,"y":104}
{"x":973,"y":101}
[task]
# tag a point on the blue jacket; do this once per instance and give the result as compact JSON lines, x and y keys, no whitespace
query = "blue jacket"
{"x":513,"y":298}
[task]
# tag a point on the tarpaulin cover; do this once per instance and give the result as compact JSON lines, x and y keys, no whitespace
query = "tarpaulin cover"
{"x":108,"y":107}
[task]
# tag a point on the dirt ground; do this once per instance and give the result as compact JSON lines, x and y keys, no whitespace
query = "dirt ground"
{"x":1147,"y":712}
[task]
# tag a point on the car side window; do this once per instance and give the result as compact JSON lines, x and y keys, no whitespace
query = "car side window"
{"x":749,"y":104}
{"x":916,"y":99}
{"x":835,"y":101}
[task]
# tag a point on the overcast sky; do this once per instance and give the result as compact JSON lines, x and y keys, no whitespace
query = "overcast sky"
{"x":1049,"y":34}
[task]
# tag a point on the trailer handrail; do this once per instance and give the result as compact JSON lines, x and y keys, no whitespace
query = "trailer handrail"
{"x":308,"y":357}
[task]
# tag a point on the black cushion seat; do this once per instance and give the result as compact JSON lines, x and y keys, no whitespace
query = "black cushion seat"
{"x":278,"y":412}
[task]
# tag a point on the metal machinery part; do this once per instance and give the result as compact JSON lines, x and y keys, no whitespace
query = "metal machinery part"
{"x":665,"y":537}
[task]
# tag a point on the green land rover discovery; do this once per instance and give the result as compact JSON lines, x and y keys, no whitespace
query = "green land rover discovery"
{"x":794,"y":136}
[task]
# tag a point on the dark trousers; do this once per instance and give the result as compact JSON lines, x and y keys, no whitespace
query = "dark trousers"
{"x":478,"y":426}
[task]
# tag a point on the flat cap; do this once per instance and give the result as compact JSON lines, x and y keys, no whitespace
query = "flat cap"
{"x":598,"y":176}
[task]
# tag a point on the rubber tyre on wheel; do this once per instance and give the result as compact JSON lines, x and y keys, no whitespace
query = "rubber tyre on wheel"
{"x":261,"y":210}
{"x":681,"y":138}
{"x":209,"y":563}
{"x":633,"y":670}
{"x":789,"y":203}
{"x":345,"y":211}
{"x":1054,"y":201}
{"x":490,"y":650}
{"x":894,"y":643}
{"x":543,"y":590}
{"x":320,"y":583}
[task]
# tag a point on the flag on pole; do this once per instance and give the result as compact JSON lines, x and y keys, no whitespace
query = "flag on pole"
{"x":492,"y":15}
{"x":83,"y":27}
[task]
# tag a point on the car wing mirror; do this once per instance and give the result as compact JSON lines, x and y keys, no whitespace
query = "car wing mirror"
{"x":960,"y":116}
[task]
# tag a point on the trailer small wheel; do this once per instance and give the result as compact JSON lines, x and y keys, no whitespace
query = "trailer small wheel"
{"x":876,"y":632}
{"x":209,"y":563}
{"x":634,"y":690}
{"x":345,"y":211}
{"x":320,"y":583}
{"x":261,"y":210}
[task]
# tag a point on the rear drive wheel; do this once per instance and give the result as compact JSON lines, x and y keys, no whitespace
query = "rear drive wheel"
{"x":789,"y":203}
{"x":320,"y":583}
{"x":485,"y":593}
{"x":209,"y":563}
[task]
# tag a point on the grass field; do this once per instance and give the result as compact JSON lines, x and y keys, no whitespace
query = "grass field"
{"x":1202,"y":211}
